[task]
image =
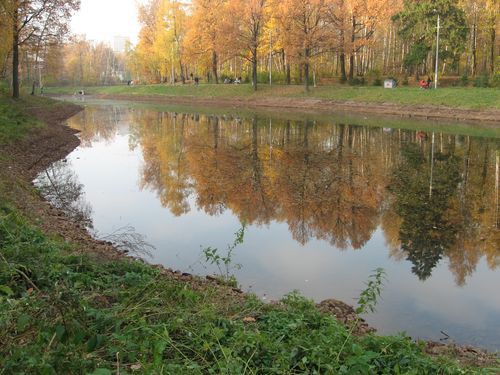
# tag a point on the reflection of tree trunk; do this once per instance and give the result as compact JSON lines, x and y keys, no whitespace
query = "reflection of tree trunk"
{"x":352,"y":189}
{"x":302,"y":233}
{"x":497,"y":176}
{"x":255,"y":155}
{"x":465,"y":181}
{"x":432,"y":166}
{"x":466,"y":165}
{"x":181,"y":150}
{"x":216,"y":133}
{"x":340,"y":146}
{"x":485,"y":167}
{"x":287,"y":132}
{"x":256,"y":166}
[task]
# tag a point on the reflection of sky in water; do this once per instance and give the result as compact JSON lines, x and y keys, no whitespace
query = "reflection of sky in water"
{"x":274,"y":263}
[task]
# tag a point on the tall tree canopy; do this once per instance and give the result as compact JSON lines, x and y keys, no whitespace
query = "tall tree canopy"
{"x":418,"y":22}
{"x":36,"y":21}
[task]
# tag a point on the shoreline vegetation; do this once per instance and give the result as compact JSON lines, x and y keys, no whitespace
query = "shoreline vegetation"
{"x":480,"y":105}
{"x":71,"y":304}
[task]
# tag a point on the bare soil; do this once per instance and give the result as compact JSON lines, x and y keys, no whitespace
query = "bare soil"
{"x":21,"y":161}
{"x":489,"y":117}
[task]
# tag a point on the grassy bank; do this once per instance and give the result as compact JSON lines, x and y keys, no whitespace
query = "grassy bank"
{"x":15,"y":120}
{"x":67,"y":310}
{"x":473,"y":98}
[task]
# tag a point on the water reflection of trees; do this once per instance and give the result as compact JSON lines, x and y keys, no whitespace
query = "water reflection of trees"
{"x":335,"y":182}
{"x":100,"y":123}
{"x":60,"y":186}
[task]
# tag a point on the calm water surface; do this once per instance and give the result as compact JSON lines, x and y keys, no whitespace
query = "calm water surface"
{"x":325,"y":203}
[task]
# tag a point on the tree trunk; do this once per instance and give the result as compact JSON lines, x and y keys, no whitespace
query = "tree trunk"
{"x":15,"y":55}
{"x":214,"y":67}
{"x":492,"y":50}
{"x":351,"y":67}
{"x":474,"y":47}
{"x":306,"y":69}
{"x":254,"y":69}
{"x":183,"y":78}
{"x":283,"y":59}
{"x":343,"y":76}
{"x":351,"y":56}
{"x":286,"y":68}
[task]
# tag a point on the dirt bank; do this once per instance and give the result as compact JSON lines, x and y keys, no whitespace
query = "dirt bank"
{"x":489,"y":117}
{"x":22,"y":160}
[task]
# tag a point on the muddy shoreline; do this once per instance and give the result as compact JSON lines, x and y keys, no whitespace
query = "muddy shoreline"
{"x":486,"y":117}
{"x":44,"y":146}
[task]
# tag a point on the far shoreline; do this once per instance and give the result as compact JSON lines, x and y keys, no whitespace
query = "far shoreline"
{"x":407,"y":103}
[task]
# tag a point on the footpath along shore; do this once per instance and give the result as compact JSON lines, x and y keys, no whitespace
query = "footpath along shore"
{"x":20,"y":162}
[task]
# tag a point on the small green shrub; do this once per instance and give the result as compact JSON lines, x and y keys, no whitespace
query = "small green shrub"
{"x":495,"y":80}
{"x":224,"y":262}
{"x":464,"y":80}
{"x":482,"y":81}
{"x":357,"y":81}
{"x":374,"y":78}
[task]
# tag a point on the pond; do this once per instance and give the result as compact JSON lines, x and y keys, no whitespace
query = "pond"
{"x":324,"y":201}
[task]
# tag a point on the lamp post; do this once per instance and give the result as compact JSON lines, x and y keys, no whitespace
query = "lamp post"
{"x":437,"y":56}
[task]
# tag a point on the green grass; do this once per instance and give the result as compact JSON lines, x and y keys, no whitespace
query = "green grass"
{"x":474,"y":98}
{"x":72,"y":314}
{"x":15,"y":120}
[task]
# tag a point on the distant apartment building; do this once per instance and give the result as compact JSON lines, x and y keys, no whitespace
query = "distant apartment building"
{"x":120,"y":43}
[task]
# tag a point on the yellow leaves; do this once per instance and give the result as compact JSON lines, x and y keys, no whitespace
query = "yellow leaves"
{"x":159,"y":51}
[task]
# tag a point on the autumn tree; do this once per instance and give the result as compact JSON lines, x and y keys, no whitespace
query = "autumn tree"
{"x":306,"y":30}
{"x":206,"y":34}
{"x":159,"y":54}
{"x":35,"y":19}
{"x":248,"y":24}
{"x":5,"y":40}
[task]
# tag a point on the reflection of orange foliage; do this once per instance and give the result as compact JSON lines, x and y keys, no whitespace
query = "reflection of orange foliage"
{"x":391,"y":222}
{"x":325,"y":181}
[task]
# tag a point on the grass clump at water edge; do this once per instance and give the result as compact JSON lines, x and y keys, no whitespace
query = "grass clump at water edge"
{"x":62,"y":313}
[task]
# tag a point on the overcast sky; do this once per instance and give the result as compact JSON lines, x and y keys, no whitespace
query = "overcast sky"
{"x":101,"y":20}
